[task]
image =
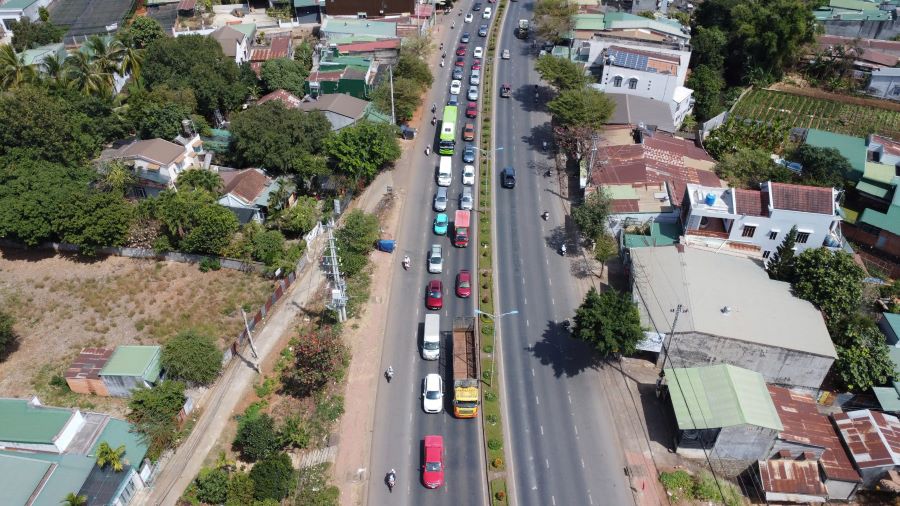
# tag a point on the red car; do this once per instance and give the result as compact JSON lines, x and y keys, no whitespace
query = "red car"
{"x":460,"y":61}
{"x":471,"y":110}
{"x":469,"y":132}
{"x":476,"y":65}
{"x":463,"y":284}
{"x":461,"y":51}
{"x":433,"y":469}
{"x":435,"y":297}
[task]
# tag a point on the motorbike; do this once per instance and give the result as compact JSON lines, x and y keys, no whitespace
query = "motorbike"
{"x":433,"y":120}
{"x":391,"y":480}
{"x":562,"y":250}
{"x":428,"y":151}
{"x":389,"y":374}
{"x":433,"y":108}
{"x":406,"y":263}
{"x":545,"y":215}
{"x":442,"y":63}
{"x":544,"y":145}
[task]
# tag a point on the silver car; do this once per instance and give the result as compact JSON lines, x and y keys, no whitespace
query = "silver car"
{"x":465,"y":199}
{"x":440,"y":199}
{"x":435,"y":259}
{"x":473,"y":93}
{"x":475,"y":78}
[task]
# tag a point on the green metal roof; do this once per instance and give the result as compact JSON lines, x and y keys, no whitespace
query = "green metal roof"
{"x":872,"y":189}
{"x":589,"y":22}
{"x":889,"y":221}
{"x":141,"y":361}
{"x":720,"y":396}
{"x":20,"y":476}
{"x":119,"y":432}
{"x":21,"y":422}
{"x":358,"y":27}
{"x":661,"y":234}
{"x":888,"y":397}
{"x":306,"y":3}
{"x":879,"y":172}
{"x":853,"y":148}
{"x":17,"y":4}
{"x":853,"y":5}
{"x":248,"y":29}
{"x":893,"y":321}
{"x":894,"y":354}
{"x":69,"y":475}
{"x":37,"y":55}
{"x":621,"y":191}
{"x":376,"y":116}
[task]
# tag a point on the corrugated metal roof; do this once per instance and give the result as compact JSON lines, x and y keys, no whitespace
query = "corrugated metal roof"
{"x":791,"y":478}
{"x":880,"y":172}
{"x":119,"y":432}
{"x":21,"y":422}
{"x":889,"y":221}
{"x":888,"y":397}
{"x":89,"y":363}
{"x":143,"y":361}
{"x":872,"y":437}
{"x":720,"y":396}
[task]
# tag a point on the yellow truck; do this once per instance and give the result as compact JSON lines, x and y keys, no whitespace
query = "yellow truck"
{"x":465,"y":368}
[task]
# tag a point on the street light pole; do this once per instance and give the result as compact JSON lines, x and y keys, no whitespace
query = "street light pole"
{"x":494,"y":319}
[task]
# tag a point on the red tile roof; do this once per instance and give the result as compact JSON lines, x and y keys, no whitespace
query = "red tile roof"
{"x":891,"y":146}
{"x":247,"y":184}
{"x":805,"y":425}
{"x":808,"y":199}
{"x":872,"y":437}
{"x":89,"y":363}
{"x":786,"y":476}
{"x":751,"y":202}
{"x":285,"y":97}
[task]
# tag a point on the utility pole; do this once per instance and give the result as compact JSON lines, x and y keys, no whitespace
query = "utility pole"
{"x":391,"y":75}
{"x":250,"y":340}
{"x":338,"y":302}
{"x":678,"y":310}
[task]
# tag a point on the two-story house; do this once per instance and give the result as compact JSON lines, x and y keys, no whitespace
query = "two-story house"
{"x":758,"y":220}
{"x":156,"y":163}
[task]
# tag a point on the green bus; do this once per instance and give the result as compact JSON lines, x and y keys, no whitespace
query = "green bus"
{"x":448,"y":131}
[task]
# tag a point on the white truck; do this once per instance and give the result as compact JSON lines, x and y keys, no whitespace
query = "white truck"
{"x":431,"y":339}
{"x":445,"y":171}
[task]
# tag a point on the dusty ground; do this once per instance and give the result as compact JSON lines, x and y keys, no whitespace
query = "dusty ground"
{"x":62,"y":305}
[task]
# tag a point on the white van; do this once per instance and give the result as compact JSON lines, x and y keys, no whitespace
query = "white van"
{"x":445,"y":171}
{"x":431,"y":339}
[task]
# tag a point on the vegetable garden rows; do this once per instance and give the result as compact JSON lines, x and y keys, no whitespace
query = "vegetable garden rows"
{"x":807,"y":112}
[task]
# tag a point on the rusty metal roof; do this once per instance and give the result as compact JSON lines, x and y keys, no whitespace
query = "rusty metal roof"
{"x":872,"y":437}
{"x":88,"y":363}
{"x":790,"y":478}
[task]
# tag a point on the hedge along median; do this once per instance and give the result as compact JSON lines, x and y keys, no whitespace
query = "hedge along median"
{"x":491,"y":420}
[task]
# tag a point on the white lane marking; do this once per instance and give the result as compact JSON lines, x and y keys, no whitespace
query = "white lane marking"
{"x":590,"y":499}
{"x":526,"y":323}
{"x":553,"y":498}
{"x":547,"y":463}
{"x":532,"y":372}
{"x":582,"y":463}
{"x":525,"y":299}
{"x":547,"y":261}
{"x":537,"y":400}
{"x":576,"y":429}
{"x":542,"y":430}
{"x":552,"y":301}
{"x":550,"y":280}
{"x":570,"y":398}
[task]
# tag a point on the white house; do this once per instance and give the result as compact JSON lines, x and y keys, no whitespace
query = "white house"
{"x":656,"y":73}
{"x":15,"y":10}
{"x":158,"y":162}
{"x":235,"y":43}
{"x":758,"y":220}
{"x":885,"y":83}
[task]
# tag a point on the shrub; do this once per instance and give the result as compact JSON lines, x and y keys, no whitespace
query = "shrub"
{"x":206,"y":265}
{"x":8,"y":336}
{"x":192,"y":357}
{"x":500,"y":495}
{"x":495,"y":444}
{"x":240,"y":490}
{"x":487,"y":348}
{"x":212,"y":485}
{"x":497,"y":463}
{"x":257,"y":438}
{"x":490,"y":396}
{"x":272,"y":477}
{"x":679,"y":484}
{"x":153,"y":413}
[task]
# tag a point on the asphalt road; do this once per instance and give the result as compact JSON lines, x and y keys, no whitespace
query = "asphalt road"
{"x":400,"y":423}
{"x":564,"y":446}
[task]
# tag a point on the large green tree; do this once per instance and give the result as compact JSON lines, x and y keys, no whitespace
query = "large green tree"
{"x":257,"y":437}
{"x":195,"y":222}
{"x":212,"y":485}
{"x":781,"y":264}
{"x":609,"y":322}
{"x":553,"y":18}
{"x":708,"y":85}
{"x":562,"y":73}
{"x":708,"y":47}
{"x":283,"y":73}
{"x":96,"y":220}
{"x":142,"y":32}
{"x":318,"y":355}
{"x":13,"y":70}
{"x":153,"y":412}
{"x":407,"y":97}
{"x":299,"y":218}
{"x":592,"y":214}
{"x":363,"y":149}
{"x":273,"y":477}
{"x":192,"y":357}
{"x":863,"y":359}
{"x":303,"y":53}
{"x":831,"y":280}
{"x":822,"y":166}
{"x":278,"y":139}
{"x":748,"y":167}
{"x":200,"y":179}
{"x":581,"y":107}
{"x":411,"y":66}
{"x":29,"y":34}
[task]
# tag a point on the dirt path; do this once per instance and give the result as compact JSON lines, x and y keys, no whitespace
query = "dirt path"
{"x":180,"y":468}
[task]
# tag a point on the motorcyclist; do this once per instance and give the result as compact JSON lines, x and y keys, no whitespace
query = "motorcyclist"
{"x":434,"y":120}
{"x":433,"y":108}
{"x":444,"y":55}
{"x":442,"y":47}
{"x":406,"y":261}
{"x":389,"y":373}
{"x":545,"y":215}
{"x":562,"y":250}
{"x":442,"y":63}
{"x":391,"y":479}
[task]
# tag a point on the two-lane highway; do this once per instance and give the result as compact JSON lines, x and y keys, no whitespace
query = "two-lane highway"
{"x":563,"y":441}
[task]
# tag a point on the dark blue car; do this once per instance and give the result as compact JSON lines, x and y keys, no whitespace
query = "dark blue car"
{"x":469,"y":154}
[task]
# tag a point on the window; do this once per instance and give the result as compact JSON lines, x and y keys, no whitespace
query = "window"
{"x":773,"y":235}
{"x":766,"y":254}
{"x":632,"y":83}
{"x":748,"y":231}
{"x":139,"y":192}
{"x":617,"y":81}
{"x":802,"y":237}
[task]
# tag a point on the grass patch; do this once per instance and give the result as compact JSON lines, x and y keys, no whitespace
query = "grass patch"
{"x":499,"y":496}
{"x":682,"y":486}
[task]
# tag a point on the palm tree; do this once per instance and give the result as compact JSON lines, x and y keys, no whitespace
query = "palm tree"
{"x":131,"y":63}
{"x":200,"y":179}
{"x":106,"y":53}
{"x":54,"y":70}
{"x":109,"y":456}
{"x":13,"y":70}
{"x":117,"y":177}
{"x":73,"y":499}
{"x":83,"y":75}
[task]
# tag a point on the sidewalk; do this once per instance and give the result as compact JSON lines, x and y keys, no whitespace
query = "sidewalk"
{"x":179,"y":468}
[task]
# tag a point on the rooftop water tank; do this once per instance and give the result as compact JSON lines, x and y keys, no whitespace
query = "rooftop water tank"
{"x":710,"y":199}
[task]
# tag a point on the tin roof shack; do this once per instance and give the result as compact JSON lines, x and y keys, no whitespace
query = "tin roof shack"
{"x":873,"y":440}
{"x":806,"y":431}
{"x":788,"y":480}
{"x":723,"y":410}
{"x":83,"y":376}
{"x":732,"y":313}
{"x":131,"y":367}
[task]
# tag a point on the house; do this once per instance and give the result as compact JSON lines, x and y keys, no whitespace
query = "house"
{"x":383,"y":50}
{"x":853,"y":149}
{"x":131,"y":367}
{"x":36,"y":56}
{"x":881,"y":229}
{"x":786,"y":480}
{"x":15,"y":10}
{"x":885,"y":83}
{"x":623,"y":25}
{"x":308,"y":11}
{"x":83,"y":374}
{"x":343,"y":110}
{"x":645,"y":173}
{"x":890,"y":327}
{"x":873,"y":441}
{"x":46,"y":453}
{"x":851,"y":10}
{"x":730,"y":313}
{"x":342,"y":74}
{"x":287,"y":99}
{"x":656,"y":74}
{"x":248,"y":193}
{"x":279,"y":46}
{"x":363,"y":9}
{"x":235,"y":40}
{"x":761,"y":218}
{"x":334,"y":27}
{"x":157,"y":162}
{"x":807,"y":432}
{"x":722,"y":411}
{"x":867,"y":54}
{"x":636,"y":110}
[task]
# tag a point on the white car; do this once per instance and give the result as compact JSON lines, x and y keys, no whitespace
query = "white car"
{"x":455,"y":87}
{"x":473,"y":93}
{"x":487,"y":13}
{"x":479,"y":52}
{"x":433,"y":393}
{"x":469,"y":17}
{"x":475,"y":78}
{"x":505,"y":54}
{"x":468,"y":175}
{"x":466,"y":202}
{"x":435,"y":259}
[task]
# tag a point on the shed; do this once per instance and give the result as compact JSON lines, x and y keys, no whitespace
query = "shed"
{"x":83,"y":375}
{"x":873,"y":440}
{"x":131,"y":367}
{"x":722,"y":410}
{"x":788,"y":480}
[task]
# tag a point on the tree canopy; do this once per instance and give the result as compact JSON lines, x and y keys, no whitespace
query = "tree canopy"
{"x":781,"y":264}
{"x":273,"y":477}
{"x":562,"y":73}
{"x":708,"y":85}
{"x":152,"y":411}
{"x":278,"y":139}
{"x":748,"y":167}
{"x":592,"y":214}
{"x":257,"y":437}
{"x":363,"y":149}
{"x":830,"y":280}
{"x":141,"y":32}
{"x":407,"y":97}
{"x":194,"y":222}
{"x":863,"y":357}
{"x":200,"y":179}
{"x":822,"y":166}
{"x":553,"y":17}
{"x":582,"y":107}
{"x":28,"y":34}
{"x":8,"y":336}
{"x":283,"y":73}
{"x":192,"y":357}
{"x":609,"y":322}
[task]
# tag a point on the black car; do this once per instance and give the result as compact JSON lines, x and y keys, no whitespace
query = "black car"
{"x":508,"y":177}
{"x":476,"y":6}
{"x":482,"y":31}
{"x":465,"y":38}
{"x":457,"y":73}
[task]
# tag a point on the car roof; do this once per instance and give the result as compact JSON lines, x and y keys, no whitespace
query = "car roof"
{"x":442,"y":190}
{"x":464,"y":273}
{"x":434,"y":283}
{"x":432,"y":378}
{"x":434,"y":441}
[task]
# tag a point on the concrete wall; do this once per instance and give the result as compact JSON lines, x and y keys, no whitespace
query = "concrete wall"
{"x":777,"y":365}
{"x":840,"y":490}
{"x":863,"y":29}
{"x":121,"y":386}
{"x":744,"y":443}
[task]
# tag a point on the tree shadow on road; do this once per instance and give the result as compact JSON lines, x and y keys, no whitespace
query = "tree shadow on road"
{"x":524,"y":94}
{"x":567,"y":356}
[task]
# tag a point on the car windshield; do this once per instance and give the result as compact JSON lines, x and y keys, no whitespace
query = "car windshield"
{"x":435,"y":294}
{"x":433,"y":395}
{"x":464,"y":283}
{"x":433,"y":466}
{"x":430,"y":345}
